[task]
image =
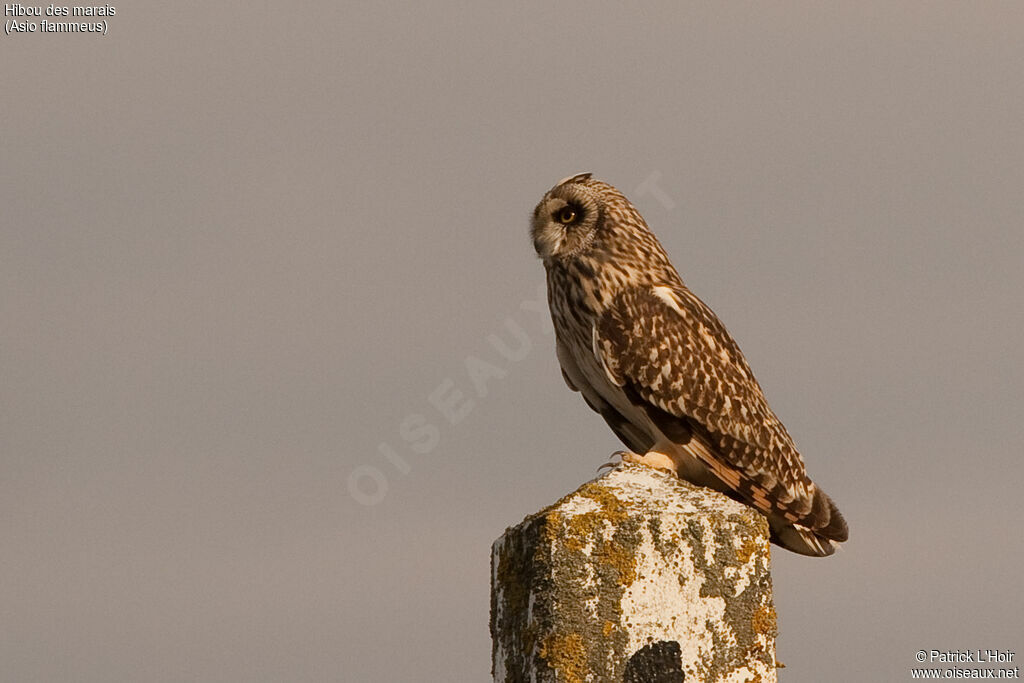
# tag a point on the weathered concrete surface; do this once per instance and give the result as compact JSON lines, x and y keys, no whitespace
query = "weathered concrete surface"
{"x":635,"y":576}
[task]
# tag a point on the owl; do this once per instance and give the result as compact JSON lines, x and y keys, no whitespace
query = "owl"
{"x":662,"y":370}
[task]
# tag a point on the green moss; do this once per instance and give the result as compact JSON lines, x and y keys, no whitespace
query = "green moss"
{"x":578,"y":531}
{"x":510,"y":577}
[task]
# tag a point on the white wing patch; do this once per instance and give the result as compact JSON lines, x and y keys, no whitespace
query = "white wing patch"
{"x":668,"y":296}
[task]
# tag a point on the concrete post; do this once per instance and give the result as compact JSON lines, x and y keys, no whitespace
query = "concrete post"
{"x":636,"y":577}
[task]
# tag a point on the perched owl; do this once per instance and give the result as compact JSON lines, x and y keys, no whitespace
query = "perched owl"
{"x":662,"y":370}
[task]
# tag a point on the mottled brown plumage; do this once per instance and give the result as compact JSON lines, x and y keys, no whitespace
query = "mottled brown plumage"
{"x":662,"y":370}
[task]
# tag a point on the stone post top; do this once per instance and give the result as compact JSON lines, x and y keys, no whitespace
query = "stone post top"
{"x":635,"y":571}
{"x":632,"y":488}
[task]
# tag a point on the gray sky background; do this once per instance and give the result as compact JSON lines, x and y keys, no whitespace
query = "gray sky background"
{"x":242,"y":242}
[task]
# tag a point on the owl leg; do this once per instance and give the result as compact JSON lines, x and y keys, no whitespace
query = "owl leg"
{"x":651,"y":458}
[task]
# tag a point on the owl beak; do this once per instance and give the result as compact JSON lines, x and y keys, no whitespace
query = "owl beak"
{"x":547,"y":238}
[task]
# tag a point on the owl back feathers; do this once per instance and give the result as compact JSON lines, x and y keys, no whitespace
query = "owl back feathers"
{"x":675,"y":360}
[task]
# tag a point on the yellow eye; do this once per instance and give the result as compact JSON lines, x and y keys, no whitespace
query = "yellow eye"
{"x":566,"y":215}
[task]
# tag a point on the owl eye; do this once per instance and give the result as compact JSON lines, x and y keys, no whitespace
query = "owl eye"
{"x":566,"y":215}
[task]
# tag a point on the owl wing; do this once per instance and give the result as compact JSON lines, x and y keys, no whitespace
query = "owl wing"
{"x":635,"y":438}
{"x":673,"y":357}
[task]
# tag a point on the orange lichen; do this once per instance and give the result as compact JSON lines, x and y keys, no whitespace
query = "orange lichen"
{"x":748,"y":547}
{"x":577,"y":531}
{"x":764,"y":621}
{"x":567,"y":655}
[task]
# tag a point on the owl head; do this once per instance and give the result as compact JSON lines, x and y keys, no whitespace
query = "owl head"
{"x":581,"y":216}
{"x":588,"y":226}
{"x":568,"y":217}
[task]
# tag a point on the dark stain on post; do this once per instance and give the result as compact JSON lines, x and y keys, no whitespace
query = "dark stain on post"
{"x":660,"y":662}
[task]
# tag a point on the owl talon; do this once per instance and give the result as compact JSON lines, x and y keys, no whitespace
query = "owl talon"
{"x":623,"y":457}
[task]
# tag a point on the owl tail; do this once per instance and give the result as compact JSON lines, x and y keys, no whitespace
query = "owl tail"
{"x":821,"y":532}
